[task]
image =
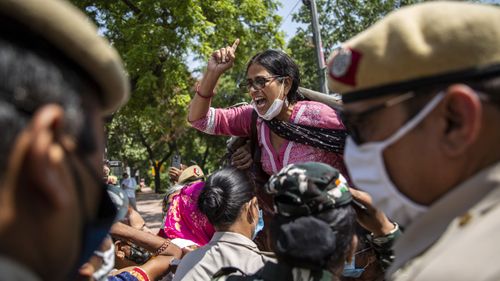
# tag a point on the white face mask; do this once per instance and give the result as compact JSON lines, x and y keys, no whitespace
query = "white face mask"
{"x":367,"y":169}
{"x":108,"y":263}
{"x":275,"y":108}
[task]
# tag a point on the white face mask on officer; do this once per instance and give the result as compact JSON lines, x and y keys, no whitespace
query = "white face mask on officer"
{"x":108,"y":263}
{"x":275,"y":107}
{"x":366,"y":166}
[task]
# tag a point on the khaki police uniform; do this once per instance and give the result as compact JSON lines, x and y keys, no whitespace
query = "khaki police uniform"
{"x":72,"y":33}
{"x":424,"y":45}
{"x":225,"y":249}
{"x":12,"y":270}
{"x":457,"y":238}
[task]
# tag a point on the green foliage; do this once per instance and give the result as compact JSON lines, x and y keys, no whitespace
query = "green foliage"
{"x":301,"y":49}
{"x":157,"y":40}
{"x":339,"y":21}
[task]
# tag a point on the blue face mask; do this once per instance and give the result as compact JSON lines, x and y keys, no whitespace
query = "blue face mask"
{"x":351,"y":271}
{"x":260,"y":225}
{"x":93,"y":230}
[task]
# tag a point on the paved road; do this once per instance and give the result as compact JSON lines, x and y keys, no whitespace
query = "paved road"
{"x":149,"y":206}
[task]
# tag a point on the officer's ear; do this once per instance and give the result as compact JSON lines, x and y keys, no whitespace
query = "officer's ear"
{"x":249,"y":210}
{"x":46,"y":158}
{"x":462,"y":114}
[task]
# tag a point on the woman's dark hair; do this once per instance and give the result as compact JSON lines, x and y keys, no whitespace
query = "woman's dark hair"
{"x":324,"y":248}
{"x":225,"y":192}
{"x":279,"y":63}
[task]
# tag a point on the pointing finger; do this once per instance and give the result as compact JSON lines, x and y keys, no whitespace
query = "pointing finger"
{"x":235,"y":44}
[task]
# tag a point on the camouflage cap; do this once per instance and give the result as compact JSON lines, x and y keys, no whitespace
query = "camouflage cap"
{"x":418,"y":46}
{"x":71,"y":33}
{"x":308,"y":188}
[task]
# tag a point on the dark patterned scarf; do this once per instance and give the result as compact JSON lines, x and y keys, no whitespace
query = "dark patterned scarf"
{"x":332,"y":140}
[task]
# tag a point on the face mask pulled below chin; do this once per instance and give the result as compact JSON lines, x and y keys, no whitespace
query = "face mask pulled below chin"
{"x":366,"y":166}
{"x":275,"y":108}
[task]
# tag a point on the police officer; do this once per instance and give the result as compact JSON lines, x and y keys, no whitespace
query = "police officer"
{"x":58,"y":80}
{"x":313,"y":232}
{"x":421,"y":94}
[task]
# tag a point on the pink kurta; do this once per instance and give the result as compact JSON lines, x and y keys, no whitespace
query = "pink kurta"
{"x":236,"y":121}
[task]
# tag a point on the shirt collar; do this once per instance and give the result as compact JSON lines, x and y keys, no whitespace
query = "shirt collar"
{"x":232,"y":237}
{"x":427,"y":229}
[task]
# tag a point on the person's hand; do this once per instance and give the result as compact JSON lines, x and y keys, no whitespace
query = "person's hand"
{"x":174,"y":174}
{"x":122,"y":251}
{"x":242,"y":157}
{"x":188,"y":249}
{"x":223,"y":59}
{"x":369,"y":217}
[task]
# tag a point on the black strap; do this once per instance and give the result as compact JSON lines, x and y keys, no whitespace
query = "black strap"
{"x":253,"y":133}
{"x":474,"y":73}
{"x":260,"y":175}
{"x":227,"y":271}
{"x":254,"y":144}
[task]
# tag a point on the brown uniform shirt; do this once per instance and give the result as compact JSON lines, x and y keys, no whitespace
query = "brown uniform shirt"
{"x":458,"y":238}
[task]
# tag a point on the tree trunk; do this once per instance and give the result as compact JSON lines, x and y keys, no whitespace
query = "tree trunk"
{"x":205,"y":156}
{"x":157,"y":177}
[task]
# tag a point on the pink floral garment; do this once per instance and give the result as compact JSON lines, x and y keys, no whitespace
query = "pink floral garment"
{"x":184,"y":220}
{"x":236,"y":121}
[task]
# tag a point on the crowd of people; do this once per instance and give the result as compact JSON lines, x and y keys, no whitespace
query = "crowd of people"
{"x":398,"y":181}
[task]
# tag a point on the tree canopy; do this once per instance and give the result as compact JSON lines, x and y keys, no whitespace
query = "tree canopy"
{"x":339,"y":21}
{"x":164,"y":45}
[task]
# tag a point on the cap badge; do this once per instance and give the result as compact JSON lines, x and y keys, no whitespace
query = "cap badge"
{"x":341,"y":62}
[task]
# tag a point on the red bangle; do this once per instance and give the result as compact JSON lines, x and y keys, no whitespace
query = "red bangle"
{"x":202,"y":96}
{"x":140,"y":274}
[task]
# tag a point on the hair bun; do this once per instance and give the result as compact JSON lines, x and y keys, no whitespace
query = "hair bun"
{"x":212,"y":203}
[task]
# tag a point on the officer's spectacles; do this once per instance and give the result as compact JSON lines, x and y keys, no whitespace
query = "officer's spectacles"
{"x":352,"y":120}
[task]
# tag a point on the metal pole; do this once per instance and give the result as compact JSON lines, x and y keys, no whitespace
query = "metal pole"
{"x":317,"y":43}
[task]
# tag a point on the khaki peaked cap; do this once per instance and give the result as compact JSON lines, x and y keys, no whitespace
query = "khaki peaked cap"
{"x":191,"y":173}
{"x":72,"y":33}
{"x":419,"y":45}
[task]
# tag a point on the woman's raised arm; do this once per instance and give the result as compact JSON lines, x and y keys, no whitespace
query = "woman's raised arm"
{"x":220,"y":61}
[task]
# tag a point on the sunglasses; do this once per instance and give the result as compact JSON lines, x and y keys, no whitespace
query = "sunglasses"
{"x":258,"y":83}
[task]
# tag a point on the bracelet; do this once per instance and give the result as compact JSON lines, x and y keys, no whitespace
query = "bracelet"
{"x":139,"y":273}
{"x":389,"y":237}
{"x":162,"y":248}
{"x":202,"y":96}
